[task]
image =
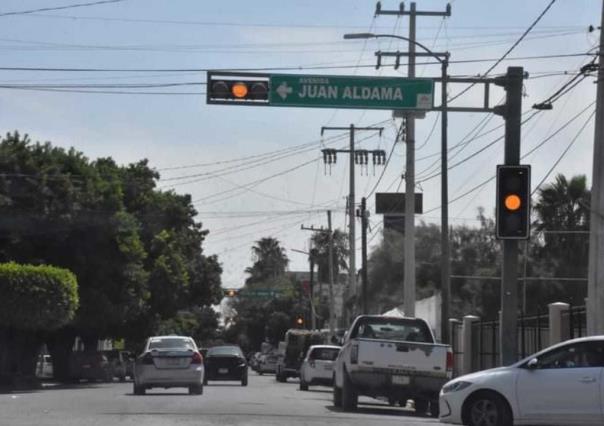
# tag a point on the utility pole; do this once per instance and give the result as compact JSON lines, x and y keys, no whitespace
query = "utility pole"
{"x":511,"y":111}
{"x":363,"y":214}
{"x":409,"y":261}
{"x":379,"y":155}
{"x":595,"y":277}
{"x":311,"y":290}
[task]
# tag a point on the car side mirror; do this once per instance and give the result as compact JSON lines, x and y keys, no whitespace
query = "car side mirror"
{"x":533,"y":364}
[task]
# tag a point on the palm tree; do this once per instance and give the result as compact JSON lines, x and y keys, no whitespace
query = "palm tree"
{"x":563,"y":205}
{"x":320,"y":241}
{"x":270,"y":261}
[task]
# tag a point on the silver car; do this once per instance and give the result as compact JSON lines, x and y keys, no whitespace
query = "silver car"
{"x":169,"y":362}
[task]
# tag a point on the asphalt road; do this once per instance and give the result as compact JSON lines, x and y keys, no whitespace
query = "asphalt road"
{"x":263,"y":402}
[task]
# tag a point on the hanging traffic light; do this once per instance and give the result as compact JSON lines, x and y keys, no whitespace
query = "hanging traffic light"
{"x":231,"y":292}
{"x":513,"y":201}
{"x":229,"y":89}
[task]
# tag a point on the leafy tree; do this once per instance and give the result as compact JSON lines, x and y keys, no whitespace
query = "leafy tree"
{"x":270,"y":261}
{"x":35,"y":299}
{"x":320,"y":242}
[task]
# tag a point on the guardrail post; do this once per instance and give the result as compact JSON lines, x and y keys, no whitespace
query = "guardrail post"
{"x":469,"y":345}
{"x":557,"y":331}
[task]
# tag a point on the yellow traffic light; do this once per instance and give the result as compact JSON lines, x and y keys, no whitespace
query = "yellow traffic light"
{"x":231,"y":293}
{"x":300,"y":321}
{"x":239,"y":90}
{"x":512,"y":202}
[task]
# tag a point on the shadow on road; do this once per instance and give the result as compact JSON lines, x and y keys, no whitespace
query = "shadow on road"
{"x":378,"y":410}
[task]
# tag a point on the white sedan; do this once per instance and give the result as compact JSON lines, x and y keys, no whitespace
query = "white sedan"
{"x":169,"y":362}
{"x":561,"y":385}
{"x":317,"y":367}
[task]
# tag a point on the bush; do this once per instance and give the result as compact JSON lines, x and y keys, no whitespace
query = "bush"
{"x":36,"y":297}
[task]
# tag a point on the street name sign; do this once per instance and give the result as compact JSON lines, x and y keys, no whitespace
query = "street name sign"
{"x":317,"y":91}
{"x":320,"y":91}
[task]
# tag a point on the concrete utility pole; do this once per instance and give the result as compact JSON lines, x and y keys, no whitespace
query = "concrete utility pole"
{"x":332,"y":317}
{"x":363,"y":214}
{"x":595,"y":274}
{"x":351,"y":196}
{"x":409,"y":262}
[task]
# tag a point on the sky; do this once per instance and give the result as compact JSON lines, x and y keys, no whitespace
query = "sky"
{"x":257,"y":172}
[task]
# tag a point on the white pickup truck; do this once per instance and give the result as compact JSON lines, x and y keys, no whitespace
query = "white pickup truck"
{"x":391,"y":357}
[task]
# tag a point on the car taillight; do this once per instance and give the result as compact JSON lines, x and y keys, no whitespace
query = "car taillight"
{"x":196,"y":358}
{"x":147,"y":358}
{"x":449,"y":361}
{"x":354,"y":354}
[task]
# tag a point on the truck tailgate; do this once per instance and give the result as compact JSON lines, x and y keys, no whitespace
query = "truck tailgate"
{"x":403,"y":357}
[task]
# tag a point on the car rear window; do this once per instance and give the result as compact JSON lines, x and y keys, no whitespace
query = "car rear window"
{"x":225,"y":350}
{"x":397,"y":329}
{"x":324,"y":354}
{"x":171,"y":343}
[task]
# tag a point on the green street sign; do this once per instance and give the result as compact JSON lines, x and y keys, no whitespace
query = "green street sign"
{"x":261,"y":293}
{"x":320,"y":91}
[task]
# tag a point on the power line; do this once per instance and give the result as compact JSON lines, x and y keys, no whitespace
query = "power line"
{"x":69,"y":6}
{"x":568,"y":147}
{"x":504,"y":56}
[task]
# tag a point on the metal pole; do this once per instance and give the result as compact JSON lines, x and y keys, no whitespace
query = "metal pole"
{"x":445,"y":272}
{"x":364,"y":310}
{"x":313,"y":314}
{"x":332,"y":320}
{"x":352,"y":220}
{"x":508,"y":331}
{"x":409,"y":283}
{"x":595,"y":283}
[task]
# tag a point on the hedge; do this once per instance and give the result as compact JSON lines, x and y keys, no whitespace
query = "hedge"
{"x":36,"y":297}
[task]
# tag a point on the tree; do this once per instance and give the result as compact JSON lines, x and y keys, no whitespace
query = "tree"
{"x":270,"y":261}
{"x":35,"y":299}
{"x":562,"y":246}
{"x":320,"y":242}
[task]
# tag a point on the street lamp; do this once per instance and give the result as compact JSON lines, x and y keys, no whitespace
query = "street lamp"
{"x":443,"y":59}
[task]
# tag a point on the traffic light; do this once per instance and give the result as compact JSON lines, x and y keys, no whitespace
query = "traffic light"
{"x":300,"y":321}
{"x":231,"y":292}
{"x":228,"y":88}
{"x":513,"y":201}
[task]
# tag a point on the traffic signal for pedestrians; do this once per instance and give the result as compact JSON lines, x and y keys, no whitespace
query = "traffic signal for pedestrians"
{"x":513,"y":201}
{"x":231,"y":89}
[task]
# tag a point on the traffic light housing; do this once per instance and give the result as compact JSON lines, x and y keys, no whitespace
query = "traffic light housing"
{"x":229,"y":88}
{"x":300,"y":321}
{"x":513,"y":202}
{"x":231,"y":292}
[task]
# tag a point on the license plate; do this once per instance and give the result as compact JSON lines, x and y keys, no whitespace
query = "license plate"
{"x":400,"y":380}
{"x":173,"y":362}
{"x":223,"y":370}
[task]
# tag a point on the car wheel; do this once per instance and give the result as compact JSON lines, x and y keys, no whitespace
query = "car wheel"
{"x":421,"y":406}
{"x":260,"y":372}
{"x":205,"y":379}
{"x":303,"y":385}
{"x":434,"y":409}
{"x":244,"y":380}
{"x":196,"y":390}
{"x":138,"y":390}
{"x":488,"y":409}
{"x":281,"y":377}
{"x":349,"y":394}
{"x":337,"y":395}
{"x":391,"y":402}
{"x":122,"y":378}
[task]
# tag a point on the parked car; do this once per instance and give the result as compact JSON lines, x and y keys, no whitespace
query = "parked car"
{"x":225,"y":363}
{"x":91,"y":366}
{"x":561,"y":385}
{"x":44,"y":367}
{"x":169,"y":362}
{"x":317,"y":367}
{"x":268,"y":363}
{"x":391,"y":357}
{"x":254,"y":361}
{"x":121,"y":362}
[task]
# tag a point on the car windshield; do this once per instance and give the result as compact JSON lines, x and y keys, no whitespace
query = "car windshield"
{"x":324,"y":354}
{"x":171,"y":343}
{"x":225,"y":350}
{"x":397,"y":329}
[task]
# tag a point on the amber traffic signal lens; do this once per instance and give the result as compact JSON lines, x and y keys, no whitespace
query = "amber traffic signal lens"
{"x":512,"y":202}
{"x":239,"y":90}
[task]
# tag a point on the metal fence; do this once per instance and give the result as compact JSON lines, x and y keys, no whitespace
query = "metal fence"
{"x":533,"y":336}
